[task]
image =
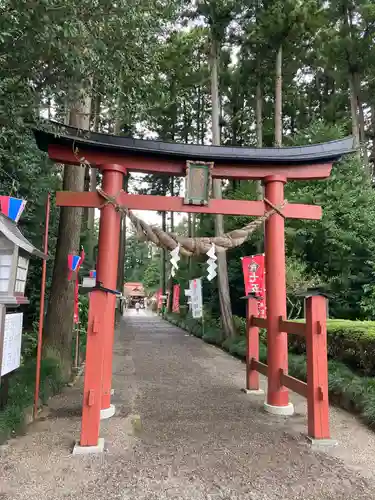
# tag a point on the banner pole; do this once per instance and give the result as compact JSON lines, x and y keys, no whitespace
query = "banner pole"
{"x":202,"y":321}
{"x":41,"y":310}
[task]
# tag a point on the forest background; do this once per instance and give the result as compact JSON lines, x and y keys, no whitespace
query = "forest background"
{"x":242,"y":73}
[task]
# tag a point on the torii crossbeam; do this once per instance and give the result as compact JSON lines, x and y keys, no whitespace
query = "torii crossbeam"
{"x":176,"y":204}
{"x":116,"y":156}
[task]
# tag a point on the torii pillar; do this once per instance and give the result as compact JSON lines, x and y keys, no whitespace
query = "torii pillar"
{"x":107,"y":268}
{"x":277,"y":343}
{"x":99,"y":354}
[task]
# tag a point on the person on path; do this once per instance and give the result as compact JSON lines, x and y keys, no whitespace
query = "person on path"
{"x":137,"y":307}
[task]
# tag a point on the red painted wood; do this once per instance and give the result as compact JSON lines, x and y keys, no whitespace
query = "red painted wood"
{"x":175,"y":204}
{"x":294,"y":384}
{"x":93,"y":371}
{"x":64,"y":154}
{"x":259,"y":172}
{"x":292,"y":327}
{"x":317,"y":367}
{"x":41,"y":309}
{"x":259,"y":367}
{"x":277,"y":342}
{"x":252,"y":345}
{"x":259,"y":322}
{"x":106,"y":272}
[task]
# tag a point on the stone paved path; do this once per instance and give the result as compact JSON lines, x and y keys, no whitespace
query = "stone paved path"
{"x":182,"y":430}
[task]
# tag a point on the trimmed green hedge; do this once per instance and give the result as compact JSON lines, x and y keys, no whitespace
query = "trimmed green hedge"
{"x":352,"y":342}
{"x":347,"y":389}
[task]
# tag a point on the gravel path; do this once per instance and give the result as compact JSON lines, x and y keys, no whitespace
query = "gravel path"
{"x":182,"y":430}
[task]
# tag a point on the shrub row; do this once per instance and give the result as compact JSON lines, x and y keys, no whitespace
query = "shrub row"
{"x":352,"y":342}
{"x":347,"y":389}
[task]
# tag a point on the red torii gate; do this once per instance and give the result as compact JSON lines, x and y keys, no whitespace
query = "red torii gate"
{"x":115,"y":156}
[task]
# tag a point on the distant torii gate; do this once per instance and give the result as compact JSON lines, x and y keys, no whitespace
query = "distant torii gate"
{"x":116,"y":156}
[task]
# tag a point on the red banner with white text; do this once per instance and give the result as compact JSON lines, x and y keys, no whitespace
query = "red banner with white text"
{"x":176,"y":299}
{"x":254,"y":277}
{"x":159,"y":298}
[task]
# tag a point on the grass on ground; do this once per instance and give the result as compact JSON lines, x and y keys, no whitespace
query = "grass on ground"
{"x":21,"y":394}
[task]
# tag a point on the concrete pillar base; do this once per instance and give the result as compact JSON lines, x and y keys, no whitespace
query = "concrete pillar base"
{"x":322,"y":444}
{"x":255,"y":392}
{"x":89,"y":450}
{"x":283,"y":411}
{"x":107,"y":412}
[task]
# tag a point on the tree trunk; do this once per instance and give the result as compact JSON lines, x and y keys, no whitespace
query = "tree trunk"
{"x":361,"y":123}
{"x":49,"y":103}
{"x":190,"y":235}
{"x":372,"y":156}
{"x":90,"y":185}
{"x":122,"y":246}
{"x":278,"y":98}
{"x":198,"y":114}
{"x":223,"y":281}
{"x":259,"y":129}
{"x":259,"y":132}
{"x":59,"y":320}
{"x":172,"y":194}
{"x":347,"y":21}
{"x":354,"y":113}
{"x":95,"y":127}
{"x":170,"y":281}
{"x":163,"y":255}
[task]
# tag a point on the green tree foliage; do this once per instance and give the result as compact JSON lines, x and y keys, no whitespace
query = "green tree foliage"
{"x":146,"y":66}
{"x":151,"y":276}
{"x":340,"y":247}
{"x":137,"y":257}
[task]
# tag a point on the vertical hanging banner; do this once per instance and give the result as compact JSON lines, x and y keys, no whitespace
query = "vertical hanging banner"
{"x":196,"y":298}
{"x":254,"y":277}
{"x":159,"y":298}
{"x":176,"y":299}
{"x":76,"y":301}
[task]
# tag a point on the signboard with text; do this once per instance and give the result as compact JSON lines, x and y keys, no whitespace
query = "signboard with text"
{"x":11,"y":355}
{"x":254,"y":277}
{"x":196,"y":298}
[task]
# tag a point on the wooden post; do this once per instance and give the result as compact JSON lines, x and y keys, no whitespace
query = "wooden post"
{"x":252,"y":345}
{"x":277,"y":342}
{"x":107,"y":266}
{"x":317,"y":367}
{"x":93,"y":370}
{"x":41,"y":310}
{"x":76,"y":354}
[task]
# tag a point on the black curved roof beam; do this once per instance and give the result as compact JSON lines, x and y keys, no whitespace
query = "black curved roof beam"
{"x":137,"y":154}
